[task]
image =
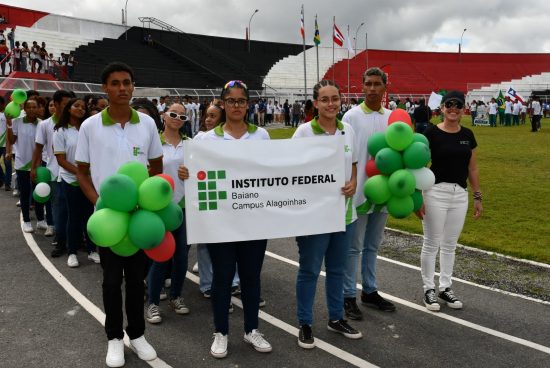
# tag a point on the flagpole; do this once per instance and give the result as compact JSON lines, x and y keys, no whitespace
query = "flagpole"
{"x":367,"y":48}
{"x":317,"y":47}
{"x":304,"y":41}
{"x":333,"y":25}
{"x":348,"y":62}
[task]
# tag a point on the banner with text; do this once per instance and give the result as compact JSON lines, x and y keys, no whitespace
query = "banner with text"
{"x":249,"y":189}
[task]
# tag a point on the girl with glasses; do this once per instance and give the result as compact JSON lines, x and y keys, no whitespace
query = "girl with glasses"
{"x":333,"y":248}
{"x":453,"y":151}
{"x":247,"y":255}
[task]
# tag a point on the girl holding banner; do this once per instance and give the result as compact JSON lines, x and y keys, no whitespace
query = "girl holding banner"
{"x":247,"y":255}
{"x":332,"y":247}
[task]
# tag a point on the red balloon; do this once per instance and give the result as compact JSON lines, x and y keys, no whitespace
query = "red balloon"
{"x":400,"y":115}
{"x":169,"y":179}
{"x":371,"y":168}
{"x":164,"y":251}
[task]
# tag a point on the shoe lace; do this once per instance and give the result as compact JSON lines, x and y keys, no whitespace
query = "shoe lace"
{"x":307,"y":333}
{"x":178,"y":302}
{"x":450,"y":295}
{"x":257,"y":338}
{"x":153,"y":310}
{"x":344,"y":325}
{"x":430,"y":296}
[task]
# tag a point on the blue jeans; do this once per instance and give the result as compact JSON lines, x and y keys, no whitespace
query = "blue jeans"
{"x":79,"y":211}
{"x":205,"y":269}
{"x":60,"y":212}
{"x":157,"y":272}
{"x":5,"y":177}
{"x":369,"y":233}
{"x":334,"y":249}
{"x":249,"y":256}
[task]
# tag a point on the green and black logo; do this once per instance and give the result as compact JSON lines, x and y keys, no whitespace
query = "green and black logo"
{"x":208,"y":189}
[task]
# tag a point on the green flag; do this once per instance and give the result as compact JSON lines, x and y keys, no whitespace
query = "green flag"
{"x":500,"y":101}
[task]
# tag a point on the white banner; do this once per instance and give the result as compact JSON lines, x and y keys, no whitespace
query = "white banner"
{"x":259,"y":189}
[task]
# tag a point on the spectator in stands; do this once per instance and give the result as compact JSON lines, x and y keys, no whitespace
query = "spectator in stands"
{"x":36,"y":64}
{"x":473,"y":111}
{"x":296,"y":113}
{"x":98,"y":152}
{"x":366,"y":119}
{"x":43,"y":57}
{"x":332,"y":248}
{"x":453,"y":152}
{"x":25,"y":57}
{"x":11,"y":38}
{"x":71,"y":62}
{"x":493,"y":111}
{"x":422,"y":116}
{"x":3,"y":19}
{"x":2,"y":36}
{"x":16,"y":56}
{"x":4,"y":51}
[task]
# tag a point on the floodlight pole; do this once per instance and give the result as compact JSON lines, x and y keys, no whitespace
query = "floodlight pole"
{"x":249,"y":33}
{"x":460,"y":45}
{"x":355,"y":39}
{"x":126,"y":20}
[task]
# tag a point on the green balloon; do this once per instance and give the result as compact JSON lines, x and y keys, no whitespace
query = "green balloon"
{"x":12,"y":110}
{"x":399,"y":135}
{"x":135,"y":170}
{"x":376,"y":142}
{"x":400,"y":207}
{"x":365,"y":207}
{"x":417,"y":137}
{"x":378,"y":207}
{"x":39,"y":199}
{"x":19,"y":96}
{"x":402,"y":183}
{"x":119,"y":193}
{"x":376,"y":189}
{"x":146,"y":229}
{"x":172,"y":216}
{"x":125,"y":248}
{"x":155,"y":193}
{"x":388,"y":160}
{"x":99,"y":204}
{"x":418,"y":200}
{"x":107,"y":227}
{"x":417,"y":155}
{"x":43,"y":175}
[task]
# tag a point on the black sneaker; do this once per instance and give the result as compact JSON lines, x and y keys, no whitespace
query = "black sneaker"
{"x":343,"y":328}
{"x":305,"y":337}
{"x":430,"y":301}
{"x":376,"y":301}
{"x":262,"y":303}
{"x":235,"y":290}
{"x":449,"y":297}
{"x":352,"y":310}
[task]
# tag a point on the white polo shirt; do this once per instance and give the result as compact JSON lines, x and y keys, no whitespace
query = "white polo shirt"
{"x":44,"y":136}
{"x":508,"y":107}
{"x":365,"y":122}
{"x":253,"y":132}
{"x":105,"y":145}
{"x":24,"y":145}
{"x":313,"y":129}
{"x":171,"y":161}
{"x":493,"y":108}
{"x":64,"y":141}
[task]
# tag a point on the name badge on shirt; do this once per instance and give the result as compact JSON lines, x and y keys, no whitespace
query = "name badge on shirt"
{"x":137,"y":151}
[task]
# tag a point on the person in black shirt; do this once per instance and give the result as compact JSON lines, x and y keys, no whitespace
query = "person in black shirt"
{"x":422,"y":115}
{"x":453,"y":150}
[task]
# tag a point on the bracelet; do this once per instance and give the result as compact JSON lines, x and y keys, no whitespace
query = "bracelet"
{"x":478,"y":196}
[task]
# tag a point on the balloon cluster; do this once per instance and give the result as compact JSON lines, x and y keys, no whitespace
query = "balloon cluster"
{"x":397,"y":174}
{"x":13,"y":109}
{"x":42,"y":192}
{"x":135,"y":211}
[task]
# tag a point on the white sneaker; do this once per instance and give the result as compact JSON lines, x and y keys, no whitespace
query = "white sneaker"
{"x":41,"y":225}
{"x":49,"y":231}
{"x":196,"y":267}
{"x":18,"y":204}
{"x":115,"y":353}
{"x":163,"y":294}
{"x":167,"y":283}
{"x":27,"y":227}
{"x":256,"y":339}
{"x":143,"y":349}
{"x":94,"y":256}
{"x":219,"y":346}
{"x":72,"y":261}
{"x":15,"y":193}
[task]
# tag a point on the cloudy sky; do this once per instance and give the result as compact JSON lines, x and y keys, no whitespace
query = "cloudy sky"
{"x":429,"y":25}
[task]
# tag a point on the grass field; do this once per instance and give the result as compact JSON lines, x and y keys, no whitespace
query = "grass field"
{"x":514,"y":167}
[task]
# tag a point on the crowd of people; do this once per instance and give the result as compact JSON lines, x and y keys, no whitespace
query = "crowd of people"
{"x":84,"y":140}
{"x":19,"y":56}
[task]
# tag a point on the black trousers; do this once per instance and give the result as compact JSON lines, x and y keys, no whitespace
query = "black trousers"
{"x":535,"y":123}
{"x":133,"y":269}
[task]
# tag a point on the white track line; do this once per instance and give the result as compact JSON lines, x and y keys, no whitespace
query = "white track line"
{"x":441,"y":315}
{"x":331,"y":349}
{"x":76,"y":294}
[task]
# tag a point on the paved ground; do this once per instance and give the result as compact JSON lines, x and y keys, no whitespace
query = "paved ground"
{"x":42,"y":325}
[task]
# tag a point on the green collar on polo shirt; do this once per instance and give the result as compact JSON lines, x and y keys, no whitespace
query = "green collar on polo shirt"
{"x":55,"y":119}
{"x":32,"y":122}
{"x":106,"y":119}
{"x":368,"y":110}
{"x":318,"y":130}
{"x":251,"y":128}
{"x":163,"y":137}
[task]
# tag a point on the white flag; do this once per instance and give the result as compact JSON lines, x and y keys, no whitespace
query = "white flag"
{"x":348,"y":44}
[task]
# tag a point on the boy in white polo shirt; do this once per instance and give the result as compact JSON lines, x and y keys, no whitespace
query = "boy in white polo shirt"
{"x":106,"y":141}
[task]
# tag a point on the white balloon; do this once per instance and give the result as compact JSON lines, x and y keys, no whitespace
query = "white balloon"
{"x":425,"y":178}
{"x":42,"y":189}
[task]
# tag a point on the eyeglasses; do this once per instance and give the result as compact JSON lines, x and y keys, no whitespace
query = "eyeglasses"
{"x":173,"y":115}
{"x":327,"y":100}
{"x":241,"y":102}
{"x":234,"y":83}
{"x":454,"y":104}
